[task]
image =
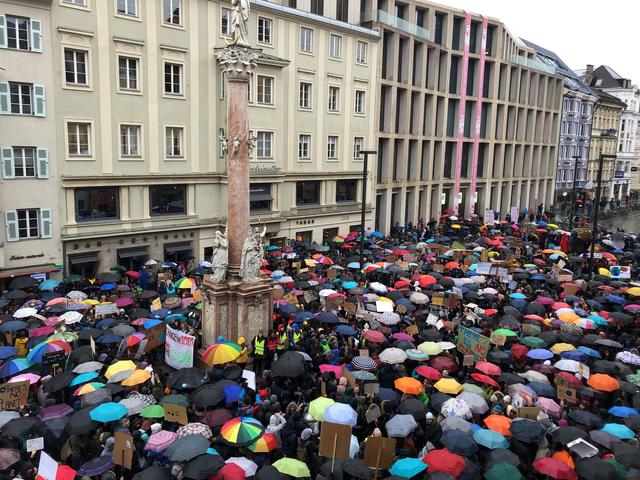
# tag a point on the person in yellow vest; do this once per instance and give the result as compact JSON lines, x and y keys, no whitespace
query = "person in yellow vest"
{"x":283,"y":341}
{"x":244,"y":353}
{"x":259,"y":344}
{"x":296,"y":336}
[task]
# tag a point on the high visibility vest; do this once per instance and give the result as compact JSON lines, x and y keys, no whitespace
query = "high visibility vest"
{"x":296,"y":337}
{"x":283,"y":338}
{"x":258,"y":349}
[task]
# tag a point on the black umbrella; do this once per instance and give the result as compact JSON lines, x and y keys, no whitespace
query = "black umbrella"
{"x":430,"y":335}
{"x":566,"y":435}
{"x":459,"y":442}
{"x":604,"y":366}
{"x":437,"y":399}
{"x":154,"y":472}
{"x":81,"y":354}
{"x":22,"y":282}
{"x":16,"y":295}
{"x":586,"y":418}
{"x":534,"y":309}
{"x":81,"y":422}
{"x":591,"y":393}
{"x":18,"y":427}
{"x":606,"y":342}
{"x":187,"y":378}
{"x":413,"y":406}
{"x":58,"y":382}
{"x":357,"y":468}
{"x":325,"y":469}
{"x":628,"y":455}
{"x":527,"y":431}
{"x":633,"y":422}
{"x":595,"y":468}
{"x":510,"y":378}
{"x":207,"y":396}
{"x":90,"y":333}
{"x":550,"y":337}
{"x":203,"y":466}
{"x":590,"y":339}
{"x":187,"y":447}
{"x":288,"y":365}
{"x":498,"y":356}
{"x":503,"y":455}
{"x":13,"y":326}
{"x":232,"y":373}
{"x":271,"y":473}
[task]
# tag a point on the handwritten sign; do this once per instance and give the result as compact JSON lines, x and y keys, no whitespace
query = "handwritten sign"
{"x":335,"y":440}
{"x":123,"y":450}
{"x":178,"y":349}
{"x":379,"y":452}
{"x":371,"y":388}
{"x":53,"y":358}
{"x":565,"y":390}
{"x":156,"y":305}
{"x":437,"y":298}
{"x":498,"y":338}
{"x":472,"y":343}
{"x":155,"y":336}
{"x":106,"y":309}
{"x":529,"y":412}
{"x":35,"y":444}
{"x":14,"y":395}
{"x":175,"y":413}
{"x":618,"y":271}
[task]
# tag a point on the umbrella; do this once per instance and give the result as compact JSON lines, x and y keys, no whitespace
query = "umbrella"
{"x":285,"y":367}
{"x":187,"y":378}
{"x":195,"y":428}
{"x":217,"y":417}
{"x":341,"y":413}
{"x":527,"y":431}
{"x":413,"y":406}
{"x":407,"y":467}
{"x":264,"y":444}
{"x":499,"y":423}
{"x":400,"y":426}
{"x":455,"y":423}
{"x":429,"y":373}
{"x":477,"y":403}
{"x":448,"y":385}
{"x":442,"y":460}
{"x":318,"y":406}
{"x":18,"y":427}
{"x":603,"y":438}
{"x":13,"y":366}
{"x":186,"y":448}
{"x":134,"y":405}
{"x":456,"y":407}
{"x":356,"y":468}
{"x":408,"y":385}
{"x":160,"y":441}
{"x":566,"y":435}
{"x":503,"y":471}
{"x":10,"y":456}
{"x":269,"y":473}
{"x":363,"y":363}
{"x":95,"y":467}
{"x":459,"y":442}
{"x":108,"y":412}
{"x":221,"y":353}
{"x":490,"y":439}
{"x":241,"y":431}
{"x":595,"y":468}
{"x":58,"y":382}
{"x":292,"y":467}
{"x":60,"y":410}
{"x":156,"y":472}
{"x":249,"y":467}
{"x":118,"y":367}
{"x":87,"y":367}
{"x":621,"y":431}
{"x":152,"y":411}
{"x":7,"y":415}
{"x":207,"y":396}
{"x":604,"y":383}
{"x":392,"y":355}
{"x":203,"y":466}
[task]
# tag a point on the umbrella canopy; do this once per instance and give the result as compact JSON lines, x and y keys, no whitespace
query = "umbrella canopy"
{"x":318,"y":406}
{"x":187,"y":447}
{"x":490,"y":439}
{"x":408,"y":385}
{"x":527,"y":430}
{"x":108,"y":412}
{"x":241,"y":431}
{"x":221,"y":353}
{"x":407,"y":467}
{"x":341,"y":413}
{"x":442,"y":460}
{"x":503,"y":471}
{"x":292,"y":467}
{"x":400,"y":426}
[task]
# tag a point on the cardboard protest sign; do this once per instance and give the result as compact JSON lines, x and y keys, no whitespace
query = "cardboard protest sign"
{"x":619,"y":271}
{"x":123,"y":450}
{"x":335,"y":440}
{"x":53,"y":358}
{"x":349,"y":307}
{"x":106,"y":309}
{"x":437,"y":298}
{"x":565,"y":391}
{"x":156,"y":305}
{"x":175,"y":413}
{"x":155,"y":336}
{"x":14,"y":395}
{"x":472,"y":343}
{"x":373,"y":413}
{"x":529,"y":412}
{"x":452,"y":301}
{"x":379,"y":451}
{"x":351,"y":380}
{"x":35,"y":444}
{"x":497,"y":338}
{"x":371,"y":388}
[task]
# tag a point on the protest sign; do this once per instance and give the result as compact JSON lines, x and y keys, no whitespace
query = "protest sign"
{"x":618,"y":271}
{"x":175,"y":413}
{"x":106,"y":309}
{"x":47,"y":468}
{"x":483,"y":268}
{"x":351,"y":380}
{"x":92,"y":342}
{"x":498,"y":338}
{"x":13,"y":395}
{"x":178,"y":347}
{"x":565,"y":391}
{"x":514,"y":214}
{"x":349,"y":307}
{"x":372,"y":387}
{"x":123,"y":450}
{"x":156,"y":305}
{"x":52,"y":358}
{"x":155,"y":336}
{"x":35,"y":444}
{"x":437,"y":298}
{"x":335,"y":440}
{"x":378,"y":452}
{"x":472,"y":343}
{"x":382,"y":306}
{"x":373,"y":413}
{"x":529,"y":412}
{"x":489,"y":216}
{"x":250,"y":378}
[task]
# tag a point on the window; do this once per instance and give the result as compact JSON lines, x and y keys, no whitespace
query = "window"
{"x":79,"y":139}
{"x":346,"y":190}
{"x":130,"y":140}
{"x":342,"y":10}
{"x":308,"y":193}
{"x":335,"y":47}
{"x":17,"y":32}
{"x":167,"y":200}
{"x":21,"y":98}
{"x":95,"y":204}
{"x":361,"y":52}
{"x":317,"y":7}
{"x":127,"y":7}
{"x":173,"y":141}
{"x":304,"y":146}
{"x":28,"y":223}
{"x":359,"y":102}
{"x":304,"y":100}
{"x":172,"y":78}
{"x":265,"y":27}
{"x":24,"y":159}
{"x":172,"y":12}
{"x":225,"y":22}
{"x":332,"y":147}
{"x":75,"y":67}
{"x":334,"y":99}
{"x":80,"y":3}
{"x":128,"y":73}
{"x":265,"y":90}
{"x":357,"y":147}
{"x":306,"y":40}
{"x":265,"y":144}
{"x":260,"y":197}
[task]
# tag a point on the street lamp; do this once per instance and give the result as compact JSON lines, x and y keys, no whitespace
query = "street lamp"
{"x":573,"y":190}
{"x":365,"y":166}
{"x":594,"y":232}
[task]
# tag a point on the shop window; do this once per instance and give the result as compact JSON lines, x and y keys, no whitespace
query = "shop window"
{"x":308,"y":193}
{"x":346,"y":190}
{"x":168,"y":199}
{"x":96,"y":204}
{"x":260,"y":197}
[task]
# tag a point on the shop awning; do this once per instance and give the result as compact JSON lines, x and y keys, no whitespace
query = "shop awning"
{"x":23,"y":272}
{"x":87,"y":258}
{"x":134,"y":252}
{"x":185,"y":247}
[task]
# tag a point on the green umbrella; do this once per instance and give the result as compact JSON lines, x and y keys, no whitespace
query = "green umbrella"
{"x":618,"y":467}
{"x":506,"y":332}
{"x":152,"y":411}
{"x":118,"y":268}
{"x":318,"y":406}
{"x":470,"y":387}
{"x":72,"y":278}
{"x":533,"y":342}
{"x":503,"y":471}
{"x":292,"y":467}
{"x":635,"y":379}
{"x":175,"y":399}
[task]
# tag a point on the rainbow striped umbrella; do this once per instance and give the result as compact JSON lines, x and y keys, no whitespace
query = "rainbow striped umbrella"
{"x":185,"y":283}
{"x":241,"y":431}
{"x":88,"y":388}
{"x":35,"y":354}
{"x":264,"y":444}
{"x":14,"y":366}
{"x":221,"y":353}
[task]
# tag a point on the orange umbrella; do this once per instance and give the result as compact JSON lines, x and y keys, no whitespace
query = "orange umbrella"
{"x":408,"y":385}
{"x":604,"y":383}
{"x":498,"y":423}
{"x":451,"y":265}
{"x":564,"y":457}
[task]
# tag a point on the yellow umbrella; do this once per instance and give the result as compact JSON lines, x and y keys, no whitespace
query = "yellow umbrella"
{"x":456,"y":226}
{"x":635,"y":291}
{"x":568,"y":316}
{"x":121,"y":366}
{"x":552,"y":225}
{"x":448,"y":385}
{"x":136,"y":378}
{"x":384,"y":299}
{"x":430,"y":348}
{"x":604,"y":271}
{"x":561,"y":347}
{"x":90,"y":301}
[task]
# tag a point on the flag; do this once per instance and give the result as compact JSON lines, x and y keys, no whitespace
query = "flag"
{"x":48,"y":467}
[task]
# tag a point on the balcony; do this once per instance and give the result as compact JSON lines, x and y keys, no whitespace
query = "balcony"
{"x":385,"y":18}
{"x":533,"y":63}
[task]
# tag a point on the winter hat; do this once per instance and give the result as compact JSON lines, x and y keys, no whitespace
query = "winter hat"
{"x":155,"y":428}
{"x":306,"y":434}
{"x":429,"y":416}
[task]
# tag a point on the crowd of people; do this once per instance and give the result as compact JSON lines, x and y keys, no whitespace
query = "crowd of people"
{"x":498,"y":351}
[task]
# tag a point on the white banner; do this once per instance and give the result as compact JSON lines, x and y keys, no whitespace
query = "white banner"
{"x":178,"y":349}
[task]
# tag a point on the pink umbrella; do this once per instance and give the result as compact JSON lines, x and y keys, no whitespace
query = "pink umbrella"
{"x":139,"y":321}
{"x":124,"y":302}
{"x":40,"y":331}
{"x":545,"y":300}
{"x":403,"y":336}
{"x":31,"y":377}
{"x":331,"y":368}
{"x":548,"y":406}
{"x":632,"y":306}
{"x":160,"y":441}
{"x":51,"y":321}
{"x":55,"y":411}
{"x":56,"y":301}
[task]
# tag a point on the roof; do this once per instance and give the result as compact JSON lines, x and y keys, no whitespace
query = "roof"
{"x":608,"y":99}
{"x":571,"y":80}
{"x":606,"y":77}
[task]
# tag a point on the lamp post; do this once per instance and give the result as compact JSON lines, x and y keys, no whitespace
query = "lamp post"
{"x":365,"y":167}
{"x":594,"y":231}
{"x":573,"y":190}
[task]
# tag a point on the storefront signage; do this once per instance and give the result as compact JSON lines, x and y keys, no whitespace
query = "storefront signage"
{"x":25,"y":257}
{"x":257,"y":170}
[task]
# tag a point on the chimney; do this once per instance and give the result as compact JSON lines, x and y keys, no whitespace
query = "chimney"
{"x":588,"y":74}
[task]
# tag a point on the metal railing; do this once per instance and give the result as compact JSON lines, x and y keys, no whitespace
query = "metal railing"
{"x":396,"y":22}
{"x":533,"y":63}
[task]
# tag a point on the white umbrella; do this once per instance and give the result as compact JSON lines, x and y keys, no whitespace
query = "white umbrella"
{"x":326,"y":292}
{"x":87,"y":367}
{"x":71,"y":317}
{"x":389,"y":318}
{"x":249,"y":467}
{"x":534,"y":376}
{"x":456,"y":407}
{"x":455,"y":423}
{"x":378,"y":287}
{"x":285,"y":279}
{"x":151,"y":262}
{"x":400,"y":426}
{"x":567,"y":365}
{"x":134,"y":405}
{"x":476,"y":402}
{"x":447,"y":345}
{"x":277,"y":273}
{"x":371,"y":297}
{"x":392,"y":355}
{"x":419,"y":298}
{"x":336,"y":267}
{"x":24,"y":312}
{"x":205,"y":264}
{"x":77,"y":294}
{"x":341,"y":413}
{"x":354,"y":447}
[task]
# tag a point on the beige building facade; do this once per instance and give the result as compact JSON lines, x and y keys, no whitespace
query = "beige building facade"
{"x":142,"y":108}
{"x":30,"y":241}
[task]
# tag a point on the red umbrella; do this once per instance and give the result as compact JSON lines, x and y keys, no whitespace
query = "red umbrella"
{"x":488,"y":368}
{"x":519,"y":351}
{"x":554,"y":469}
{"x":400,"y":251}
{"x":133,"y":274}
{"x":428,"y":373}
{"x":217,"y":417}
{"x":444,"y":363}
{"x":442,"y":460}
{"x":575,"y":383}
{"x":559,"y":305}
{"x":401,"y":284}
{"x":230,"y":471}
{"x":537,"y":318}
{"x":426,"y":280}
{"x":490,"y":311}
{"x":479,"y":377}
{"x":374,"y":336}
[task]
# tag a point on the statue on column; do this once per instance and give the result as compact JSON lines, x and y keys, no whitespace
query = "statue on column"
{"x":252,"y":255}
{"x":220,"y":258}
{"x":239,"y":20}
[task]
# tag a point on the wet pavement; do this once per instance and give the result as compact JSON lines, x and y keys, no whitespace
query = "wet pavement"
{"x":630,"y":222}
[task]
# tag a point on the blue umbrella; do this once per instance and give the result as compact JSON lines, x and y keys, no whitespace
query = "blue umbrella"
{"x":13,"y":326}
{"x":78,"y":306}
{"x":328,"y":317}
{"x":346,"y":330}
{"x":83,"y":378}
{"x":162,"y":313}
{"x":108,"y":412}
{"x":615,"y":299}
{"x":175,"y":316}
{"x":152,"y":322}
{"x":49,"y":284}
{"x":108,"y":286}
{"x":109,"y":338}
{"x":577,"y":355}
{"x":233,"y":393}
{"x":287,"y":309}
{"x":541,"y":223}
{"x":106,"y":323}
{"x":538,"y":277}
{"x":408,"y":467}
{"x":540,"y":354}
{"x":542,"y":389}
{"x":598,"y":319}
{"x":590,"y":351}
{"x":621,"y":431}
{"x":355,"y":265}
{"x":7,"y":352}
{"x":623,"y":411}
{"x":377,"y":234}
{"x":304,"y":316}
{"x":518,"y":295}
{"x":490,"y":439}
{"x":459,"y":442}
{"x":348,"y":285}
